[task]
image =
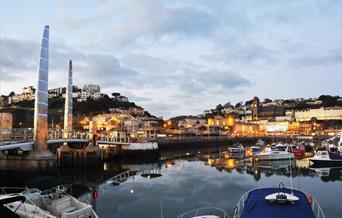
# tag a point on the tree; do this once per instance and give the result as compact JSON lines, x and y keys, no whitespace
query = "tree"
{"x":249,"y":102}
{"x":11,"y":94}
{"x":115,"y":94}
{"x":267,"y":100}
{"x":219,"y":107}
{"x":328,"y":101}
{"x":238,"y":105}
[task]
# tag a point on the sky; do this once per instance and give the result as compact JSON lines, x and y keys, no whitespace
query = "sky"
{"x":178,"y":57}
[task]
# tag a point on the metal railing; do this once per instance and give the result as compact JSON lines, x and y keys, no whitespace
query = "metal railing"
{"x":121,"y":177}
{"x":316,"y":208}
{"x":192,"y":139}
{"x":16,"y":135}
{"x":240,"y":205}
{"x":208,"y":211}
{"x":20,"y":135}
{"x":73,"y":134}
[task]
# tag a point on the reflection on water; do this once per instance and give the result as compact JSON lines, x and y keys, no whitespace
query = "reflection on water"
{"x":181,"y":182}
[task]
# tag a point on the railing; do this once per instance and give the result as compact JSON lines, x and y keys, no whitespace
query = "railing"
{"x":316,"y":208}
{"x":16,"y":135}
{"x":193,"y":139}
{"x":20,"y":135}
{"x":73,"y":134}
{"x":121,"y":177}
{"x":197,"y":212}
{"x":240,"y":205}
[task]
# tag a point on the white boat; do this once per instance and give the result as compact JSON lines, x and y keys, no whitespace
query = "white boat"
{"x":54,"y":203}
{"x":236,"y":151}
{"x":280,"y":152}
{"x":327,"y":159}
{"x":16,"y":205}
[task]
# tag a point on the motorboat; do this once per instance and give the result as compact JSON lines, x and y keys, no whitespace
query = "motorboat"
{"x":252,"y":151}
{"x":52,"y":203}
{"x":236,"y":151}
{"x":333,"y":144}
{"x":260,"y":143}
{"x":278,"y":202}
{"x":18,"y":205}
{"x":298,"y":151}
{"x":205,"y":212}
{"x":141,"y":149}
{"x":280,"y":152}
{"x":327,"y":158}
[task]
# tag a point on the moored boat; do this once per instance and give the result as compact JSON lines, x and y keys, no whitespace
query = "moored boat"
{"x":252,"y":151}
{"x":327,"y":158}
{"x":236,"y":151}
{"x":52,"y":203}
{"x":280,"y":152}
{"x":140,"y":150}
{"x":278,"y":202}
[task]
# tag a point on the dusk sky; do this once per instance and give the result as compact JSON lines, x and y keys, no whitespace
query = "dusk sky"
{"x":178,"y":57}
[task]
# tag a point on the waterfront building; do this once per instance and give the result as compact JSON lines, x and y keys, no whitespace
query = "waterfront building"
{"x":191,"y":122}
{"x":333,"y":113}
{"x":27,"y":93}
{"x":3,"y":100}
{"x":89,"y":90}
{"x":260,"y":112}
{"x":246,"y":129}
{"x":92,"y":88}
{"x":6,"y":121}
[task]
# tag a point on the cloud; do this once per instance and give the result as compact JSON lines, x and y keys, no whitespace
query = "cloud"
{"x":322,"y":59}
{"x":182,"y":57}
{"x":16,"y":55}
{"x":152,"y":21}
{"x":20,"y":59}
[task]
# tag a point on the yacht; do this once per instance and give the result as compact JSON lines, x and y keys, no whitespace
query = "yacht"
{"x":278,"y":202}
{"x":260,"y":143}
{"x":252,"y":151}
{"x":280,"y":152}
{"x":236,"y":151}
{"x":327,"y":158}
{"x":53,"y":203}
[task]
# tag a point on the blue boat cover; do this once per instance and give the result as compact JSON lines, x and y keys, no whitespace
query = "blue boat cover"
{"x":256,"y":206}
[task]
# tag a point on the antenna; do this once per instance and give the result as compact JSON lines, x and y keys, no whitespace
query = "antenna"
{"x":161,"y":209}
{"x":291,"y":173}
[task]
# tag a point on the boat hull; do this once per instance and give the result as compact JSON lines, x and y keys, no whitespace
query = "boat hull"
{"x":274,"y":157}
{"x":326,"y":163}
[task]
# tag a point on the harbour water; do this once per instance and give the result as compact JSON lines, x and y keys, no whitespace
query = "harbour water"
{"x":186,"y":181}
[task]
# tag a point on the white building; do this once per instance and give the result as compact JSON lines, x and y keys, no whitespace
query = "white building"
{"x":333,"y":113}
{"x":92,"y":89}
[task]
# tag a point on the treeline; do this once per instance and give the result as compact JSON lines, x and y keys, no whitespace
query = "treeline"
{"x":23,"y":111}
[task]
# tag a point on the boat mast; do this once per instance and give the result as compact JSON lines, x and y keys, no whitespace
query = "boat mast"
{"x":291,"y":174}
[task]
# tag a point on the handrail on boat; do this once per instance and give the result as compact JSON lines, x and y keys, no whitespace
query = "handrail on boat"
{"x":196,"y":211}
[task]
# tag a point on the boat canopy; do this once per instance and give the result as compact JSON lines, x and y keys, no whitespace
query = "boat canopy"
{"x":11,"y":199}
{"x":257,"y":206}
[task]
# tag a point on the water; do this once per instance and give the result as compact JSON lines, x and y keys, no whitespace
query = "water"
{"x":192,"y":184}
{"x":174,"y":186}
